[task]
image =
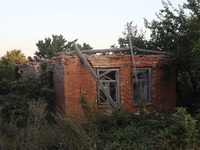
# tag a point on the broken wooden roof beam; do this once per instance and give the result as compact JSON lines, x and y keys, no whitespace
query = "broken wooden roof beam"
{"x":135,"y":49}
{"x":65,"y":46}
{"x":150,"y":51}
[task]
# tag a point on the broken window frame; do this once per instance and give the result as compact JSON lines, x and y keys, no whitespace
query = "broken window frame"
{"x":139,"y":83}
{"x":106,"y":81}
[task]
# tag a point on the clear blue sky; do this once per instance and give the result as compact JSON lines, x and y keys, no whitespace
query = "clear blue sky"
{"x":98,"y":23}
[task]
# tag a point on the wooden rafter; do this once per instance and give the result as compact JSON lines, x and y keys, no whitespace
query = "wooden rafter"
{"x":93,"y":51}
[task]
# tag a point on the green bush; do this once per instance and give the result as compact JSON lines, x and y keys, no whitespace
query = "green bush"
{"x":18,"y":92}
{"x":126,"y":130}
{"x":122,"y":130}
{"x":181,"y":134}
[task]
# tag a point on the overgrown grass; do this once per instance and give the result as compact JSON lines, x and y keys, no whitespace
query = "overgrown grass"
{"x":123,"y":130}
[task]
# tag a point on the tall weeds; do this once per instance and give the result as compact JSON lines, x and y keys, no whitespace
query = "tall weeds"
{"x":123,"y":130}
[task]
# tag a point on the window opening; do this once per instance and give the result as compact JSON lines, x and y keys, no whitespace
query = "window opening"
{"x":110,"y":80}
{"x":142,"y":90}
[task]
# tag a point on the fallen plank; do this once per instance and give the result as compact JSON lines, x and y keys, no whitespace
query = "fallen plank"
{"x":96,"y":78}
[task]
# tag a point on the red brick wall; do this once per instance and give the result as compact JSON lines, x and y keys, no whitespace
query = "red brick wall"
{"x":71,"y":76}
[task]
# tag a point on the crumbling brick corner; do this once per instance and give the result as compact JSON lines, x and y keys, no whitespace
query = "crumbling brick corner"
{"x":28,"y":68}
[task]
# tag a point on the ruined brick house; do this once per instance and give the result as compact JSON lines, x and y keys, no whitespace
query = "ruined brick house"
{"x":117,"y":74}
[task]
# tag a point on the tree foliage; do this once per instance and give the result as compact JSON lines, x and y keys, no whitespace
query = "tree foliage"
{"x":177,"y":30}
{"x":6,"y":75}
{"x":137,"y":39}
{"x":81,"y":47}
{"x":84,"y":46}
{"x":8,"y":69}
{"x":22,"y":91}
{"x":48,"y":47}
{"x":16,"y":92}
{"x":13,"y":57}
